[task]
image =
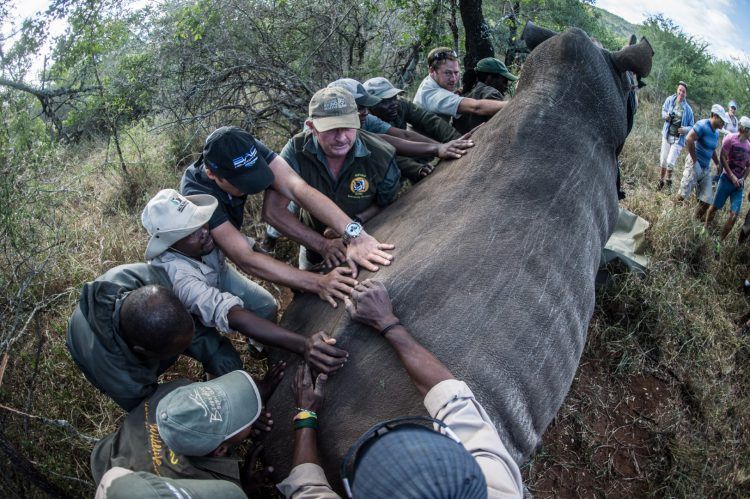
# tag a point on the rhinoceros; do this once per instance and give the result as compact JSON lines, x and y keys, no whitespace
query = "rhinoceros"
{"x":496,"y":255}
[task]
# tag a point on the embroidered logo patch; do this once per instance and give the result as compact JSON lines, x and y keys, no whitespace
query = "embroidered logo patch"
{"x":359,"y":185}
{"x":334,"y":104}
{"x":180,"y":202}
{"x":247,"y":160}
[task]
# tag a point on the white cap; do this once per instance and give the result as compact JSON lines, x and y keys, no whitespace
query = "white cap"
{"x":169,"y":216}
{"x":718,"y":110}
{"x":745,"y":122}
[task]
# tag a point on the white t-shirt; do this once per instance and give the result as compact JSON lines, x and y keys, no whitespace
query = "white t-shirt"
{"x":436,"y":99}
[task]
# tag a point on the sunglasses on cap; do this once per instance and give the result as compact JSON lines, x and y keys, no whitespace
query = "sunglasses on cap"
{"x":377,"y":431}
{"x":446,"y":54}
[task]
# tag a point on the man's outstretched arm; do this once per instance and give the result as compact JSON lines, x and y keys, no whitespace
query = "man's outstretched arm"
{"x":371,"y":305}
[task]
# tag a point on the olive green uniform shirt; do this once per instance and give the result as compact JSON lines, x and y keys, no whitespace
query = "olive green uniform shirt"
{"x":467,"y":122}
{"x":424,"y":122}
{"x":137,"y":446}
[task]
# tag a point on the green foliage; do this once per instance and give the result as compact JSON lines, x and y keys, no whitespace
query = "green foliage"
{"x":678,"y":57}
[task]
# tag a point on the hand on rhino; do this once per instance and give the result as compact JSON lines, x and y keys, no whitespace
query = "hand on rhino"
{"x":308,"y":396}
{"x":371,"y":305}
{"x":322,"y":355}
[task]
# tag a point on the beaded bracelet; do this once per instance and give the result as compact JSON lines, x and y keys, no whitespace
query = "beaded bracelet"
{"x":305,"y":414}
{"x":389,"y":327}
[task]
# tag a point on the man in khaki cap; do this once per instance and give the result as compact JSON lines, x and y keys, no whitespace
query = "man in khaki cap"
{"x":214,"y":291}
{"x":187,"y":430}
{"x":492,"y":83}
{"x":353,"y":168}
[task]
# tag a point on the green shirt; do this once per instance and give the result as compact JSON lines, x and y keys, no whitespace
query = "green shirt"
{"x":422,"y":121}
{"x":467,"y":121}
{"x":369,"y":174}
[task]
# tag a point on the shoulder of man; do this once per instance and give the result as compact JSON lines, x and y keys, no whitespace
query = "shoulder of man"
{"x":377,"y":146}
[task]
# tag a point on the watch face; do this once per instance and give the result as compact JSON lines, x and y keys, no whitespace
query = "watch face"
{"x":353,"y":229}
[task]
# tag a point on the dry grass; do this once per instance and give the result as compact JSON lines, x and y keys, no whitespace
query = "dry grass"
{"x":659,"y":406}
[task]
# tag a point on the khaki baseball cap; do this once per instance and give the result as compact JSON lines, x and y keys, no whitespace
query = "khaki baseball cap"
{"x":193,"y":420}
{"x":381,"y":87}
{"x":169,"y":216}
{"x":333,"y":107}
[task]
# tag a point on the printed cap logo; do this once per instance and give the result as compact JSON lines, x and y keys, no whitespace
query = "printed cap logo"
{"x":334,"y":104}
{"x":247,"y":160}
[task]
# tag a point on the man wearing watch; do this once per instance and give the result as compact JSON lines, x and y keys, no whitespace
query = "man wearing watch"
{"x":353,"y":168}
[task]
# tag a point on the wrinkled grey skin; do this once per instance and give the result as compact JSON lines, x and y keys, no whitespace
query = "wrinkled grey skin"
{"x":496,"y":255}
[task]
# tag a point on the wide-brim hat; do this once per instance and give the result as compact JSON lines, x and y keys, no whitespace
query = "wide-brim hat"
{"x":381,"y":87}
{"x":333,"y":107}
{"x":494,"y":66}
{"x":193,"y":420}
{"x":169,"y":216}
{"x":232,"y":154}
{"x":361,"y":96}
{"x":719,"y":111}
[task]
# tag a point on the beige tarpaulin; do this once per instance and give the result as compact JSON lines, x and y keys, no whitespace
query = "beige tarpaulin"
{"x":627,"y":243}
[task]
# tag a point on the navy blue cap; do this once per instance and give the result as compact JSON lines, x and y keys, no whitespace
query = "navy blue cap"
{"x":232,"y":154}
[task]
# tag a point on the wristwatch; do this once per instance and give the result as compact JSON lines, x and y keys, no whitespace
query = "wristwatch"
{"x":352,"y":231}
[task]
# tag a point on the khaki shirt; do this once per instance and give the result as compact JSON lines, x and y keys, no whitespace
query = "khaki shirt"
{"x":452,"y":402}
{"x":137,"y":446}
{"x":467,"y":121}
{"x":196,"y":284}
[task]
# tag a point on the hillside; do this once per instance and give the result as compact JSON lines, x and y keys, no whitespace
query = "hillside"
{"x":616,"y":24}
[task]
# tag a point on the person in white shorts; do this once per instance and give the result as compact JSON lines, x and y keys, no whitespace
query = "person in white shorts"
{"x":678,"y":120}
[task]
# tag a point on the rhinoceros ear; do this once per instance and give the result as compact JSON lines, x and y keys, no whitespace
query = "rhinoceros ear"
{"x":636,"y":58}
{"x":533,"y":35}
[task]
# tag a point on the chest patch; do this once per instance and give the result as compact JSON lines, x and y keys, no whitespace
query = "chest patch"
{"x":359,"y":185}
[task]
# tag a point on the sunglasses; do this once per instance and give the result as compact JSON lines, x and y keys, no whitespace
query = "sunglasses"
{"x":444,"y":55}
{"x":377,"y":431}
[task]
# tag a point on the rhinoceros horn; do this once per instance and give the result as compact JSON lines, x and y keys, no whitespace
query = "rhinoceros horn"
{"x":533,"y":35}
{"x":636,"y":58}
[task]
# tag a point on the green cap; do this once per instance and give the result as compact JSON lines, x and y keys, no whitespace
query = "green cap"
{"x":121,"y":483}
{"x":193,"y":420}
{"x":495,"y":66}
{"x":333,"y":107}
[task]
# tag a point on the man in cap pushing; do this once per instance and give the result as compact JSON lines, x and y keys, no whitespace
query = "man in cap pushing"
{"x":492,"y":83}
{"x":234,"y":165}
{"x":187,"y":430}
{"x":211,"y":289}
{"x":701,"y":144}
{"x":354,"y":169}
{"x":462,"y":455}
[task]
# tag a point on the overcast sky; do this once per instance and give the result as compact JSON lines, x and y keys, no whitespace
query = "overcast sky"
{"x":723,"y":24}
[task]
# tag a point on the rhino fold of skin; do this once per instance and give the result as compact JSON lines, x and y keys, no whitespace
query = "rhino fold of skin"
{"x":496,"y":255}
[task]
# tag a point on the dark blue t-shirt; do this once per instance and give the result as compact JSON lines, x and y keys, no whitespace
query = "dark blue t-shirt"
{"x":195,"y":181}
{"x":708,"y":139}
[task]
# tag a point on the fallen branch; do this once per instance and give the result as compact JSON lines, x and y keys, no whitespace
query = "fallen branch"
{"x":60,"y":423}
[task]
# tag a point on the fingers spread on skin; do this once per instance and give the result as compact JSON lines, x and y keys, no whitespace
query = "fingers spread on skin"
{"x":350,"y":306}
{"x":386,"y":246}
{"x":320,"y":384}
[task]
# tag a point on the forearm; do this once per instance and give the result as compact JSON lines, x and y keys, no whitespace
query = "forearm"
{"x":275,"y":213}
{"x":411,"y":149}
{"x":322,"y":208}
{"x":265,"y":331}
{"x":423,"y":367}
{"x":409,"y":135}
{"x":305,"y":446}
{"x":272,"y":270}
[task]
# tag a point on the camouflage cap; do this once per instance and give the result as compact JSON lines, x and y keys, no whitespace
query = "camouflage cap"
{"x":381,"y":87}
{"x":494,"y":66}
{"x":333,"y":107}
